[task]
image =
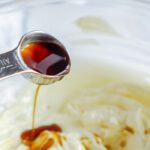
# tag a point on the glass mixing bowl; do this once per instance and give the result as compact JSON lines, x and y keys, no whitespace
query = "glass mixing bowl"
{"x":99,"y":34}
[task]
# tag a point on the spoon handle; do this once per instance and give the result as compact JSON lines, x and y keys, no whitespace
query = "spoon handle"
{"x":9,"y":64}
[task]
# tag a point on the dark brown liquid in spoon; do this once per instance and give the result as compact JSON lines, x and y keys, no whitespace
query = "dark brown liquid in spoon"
{"x":45,"y":58}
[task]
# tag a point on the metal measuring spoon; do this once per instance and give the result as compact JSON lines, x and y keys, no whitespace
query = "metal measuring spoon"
{"x":11,"y":63}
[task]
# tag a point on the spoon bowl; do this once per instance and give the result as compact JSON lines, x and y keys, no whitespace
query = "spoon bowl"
{"x":12,"y":62}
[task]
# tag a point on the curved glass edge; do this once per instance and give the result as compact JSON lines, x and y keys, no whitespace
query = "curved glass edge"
{"x":11,"y":5}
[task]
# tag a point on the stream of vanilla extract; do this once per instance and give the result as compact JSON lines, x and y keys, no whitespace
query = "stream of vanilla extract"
{"x":34,"y":108}
{"x":28,"y":136}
